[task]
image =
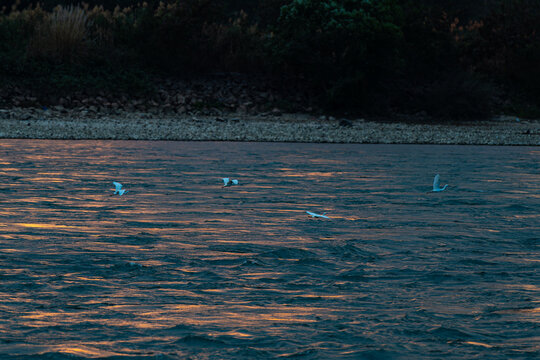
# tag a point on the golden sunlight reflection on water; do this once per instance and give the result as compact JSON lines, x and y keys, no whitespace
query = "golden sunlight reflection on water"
{"x":182,"y":267}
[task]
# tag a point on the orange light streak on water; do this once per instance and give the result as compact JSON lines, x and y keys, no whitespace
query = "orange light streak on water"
{"x":181,"y":263}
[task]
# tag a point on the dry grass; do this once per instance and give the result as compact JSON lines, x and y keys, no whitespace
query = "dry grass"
{"x":62,"y":35}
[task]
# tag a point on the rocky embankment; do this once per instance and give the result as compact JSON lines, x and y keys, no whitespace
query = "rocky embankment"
{"x":213,"y":95}
{"x":230,"y":109}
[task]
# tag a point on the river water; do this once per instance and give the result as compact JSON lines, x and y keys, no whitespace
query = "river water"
{"x":181,"y":267}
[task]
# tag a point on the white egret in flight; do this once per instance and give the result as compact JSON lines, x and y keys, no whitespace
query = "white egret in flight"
{"x":229,"y":182}
{"x":317,"y":215}
{"x":436,"y":186}
{"x":118,"y":189}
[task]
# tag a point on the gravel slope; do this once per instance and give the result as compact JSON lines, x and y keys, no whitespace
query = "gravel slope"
{"x":36,"y":124}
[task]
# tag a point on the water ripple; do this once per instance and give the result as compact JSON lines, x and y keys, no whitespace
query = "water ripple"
{"x":181,"y":267}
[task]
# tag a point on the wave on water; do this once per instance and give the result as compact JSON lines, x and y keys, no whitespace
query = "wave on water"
{"x":182,"y":268}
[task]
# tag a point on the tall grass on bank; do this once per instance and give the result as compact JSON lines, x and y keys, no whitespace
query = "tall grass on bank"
{"x":61,"y":35}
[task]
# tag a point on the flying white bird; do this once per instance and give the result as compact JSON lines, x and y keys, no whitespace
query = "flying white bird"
{"x":229,"y":182}
{"x":118,"y":189}
{"x":436,"y":186}
{"x":317,"y":215}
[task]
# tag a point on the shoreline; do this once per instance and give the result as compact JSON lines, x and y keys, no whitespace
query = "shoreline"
{"x":21,"y":123}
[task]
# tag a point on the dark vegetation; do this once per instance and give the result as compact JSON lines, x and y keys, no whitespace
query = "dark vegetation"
{"x":446,"y":59}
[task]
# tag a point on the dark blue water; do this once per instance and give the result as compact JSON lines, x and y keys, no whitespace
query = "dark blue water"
{"x":181,"y":267}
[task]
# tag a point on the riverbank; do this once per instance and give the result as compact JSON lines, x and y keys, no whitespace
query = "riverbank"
{"x":63,"y":123}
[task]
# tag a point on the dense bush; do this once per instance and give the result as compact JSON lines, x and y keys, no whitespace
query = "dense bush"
{"x":435,"y":79}
{"x":170,"y":37}
{"x":344,"y":47}
{"x":448,"y":58}
{"x":508,"y":44}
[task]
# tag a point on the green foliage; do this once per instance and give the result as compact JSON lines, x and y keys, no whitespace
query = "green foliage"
{"x":346,"y":47}
{"x":349,"y":55}
{"x":12,"y":44}
{"x":171,"y":37}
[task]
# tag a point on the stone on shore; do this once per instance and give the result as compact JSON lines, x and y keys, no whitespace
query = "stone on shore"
{"x":93,"y":123}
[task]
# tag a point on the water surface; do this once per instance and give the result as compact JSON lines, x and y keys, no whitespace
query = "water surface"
{"x":181,"y":267}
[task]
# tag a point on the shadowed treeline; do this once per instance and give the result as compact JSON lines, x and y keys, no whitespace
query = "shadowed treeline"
{"x":454,"y":59}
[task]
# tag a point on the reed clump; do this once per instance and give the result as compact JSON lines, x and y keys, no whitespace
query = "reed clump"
{"x":61,"y":35}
